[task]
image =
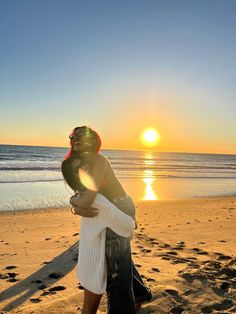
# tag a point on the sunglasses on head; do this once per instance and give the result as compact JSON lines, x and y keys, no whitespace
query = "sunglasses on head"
{"x":78,"y":137}
{"x":77,"y":133}
{"x":81,"y":131}
{"x":73,"y":136}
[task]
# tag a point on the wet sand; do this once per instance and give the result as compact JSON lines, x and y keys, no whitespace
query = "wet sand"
{"x":184,"y":249}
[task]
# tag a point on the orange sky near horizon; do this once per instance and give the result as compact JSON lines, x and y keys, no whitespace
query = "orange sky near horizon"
{"x":172,"y":139}
{"x":180,"y":131}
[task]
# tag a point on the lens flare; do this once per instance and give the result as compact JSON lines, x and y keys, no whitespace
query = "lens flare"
{"x":87,"y":180}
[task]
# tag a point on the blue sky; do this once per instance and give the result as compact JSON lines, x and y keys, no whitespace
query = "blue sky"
{"x":119,"y":66}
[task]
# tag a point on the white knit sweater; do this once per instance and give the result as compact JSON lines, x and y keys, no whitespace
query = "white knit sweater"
{"x":91,"y":268}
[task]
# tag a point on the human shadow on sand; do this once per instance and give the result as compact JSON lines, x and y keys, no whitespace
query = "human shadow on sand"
{"x":46,"y":276}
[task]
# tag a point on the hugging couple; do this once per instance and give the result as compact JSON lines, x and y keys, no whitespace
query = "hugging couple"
{"x":106,"y":227}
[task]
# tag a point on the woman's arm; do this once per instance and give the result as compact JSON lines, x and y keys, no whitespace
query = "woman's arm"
{"x":85,"y":212}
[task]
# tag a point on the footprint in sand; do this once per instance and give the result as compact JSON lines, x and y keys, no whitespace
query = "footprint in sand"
{"x":53,"y":290}
{"x":188,"y":292}
{"x":46,"y":293}
{"x":172,"y":253}
{"x":150,"y":280}
{"x":163,"y":246}
{"x":221,"y":306}
{"x":54,"y":275}
{"x":4,"y":276}
{"x":188,"y":277}
{"x":11,"y":267}
{"x":179,"y":248}
{"x":220,"y":288}
{"x":57,"y":288}
{"x":227,"y":272}
{"x":232,"y":262}
{"x":222,"y":256}
{"x":36,"y":281}
{"x":155,"y":243}
{"x":146,"y":251}
{"x":35,"y":300}
{"x":12,"y":277}
{"x":176,"y":310}
{"x":166,"y":258}
{"x":202,"y":253}
{"x":174,"y":294}
{"x":199,"y":251}
{"x":138,"y":265}
{"x":42,"y":287}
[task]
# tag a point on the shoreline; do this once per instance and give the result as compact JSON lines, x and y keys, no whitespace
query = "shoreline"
{"x":184,"y":249}
{"x":66,"y":207}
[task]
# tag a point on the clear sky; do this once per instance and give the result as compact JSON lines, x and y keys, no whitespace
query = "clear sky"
{"x":119,"y":67}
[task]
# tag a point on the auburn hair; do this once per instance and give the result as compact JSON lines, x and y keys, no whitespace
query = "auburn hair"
{"x":71,"y":155}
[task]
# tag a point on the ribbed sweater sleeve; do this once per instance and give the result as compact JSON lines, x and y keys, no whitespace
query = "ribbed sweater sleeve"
{"x":113,"y":217}
{"x":91,"y":269}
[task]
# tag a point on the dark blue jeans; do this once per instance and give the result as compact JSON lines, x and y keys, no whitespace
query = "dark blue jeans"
{"x":125,"y":287}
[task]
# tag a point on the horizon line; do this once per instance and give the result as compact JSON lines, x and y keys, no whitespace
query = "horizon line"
{"x":126,"y":149}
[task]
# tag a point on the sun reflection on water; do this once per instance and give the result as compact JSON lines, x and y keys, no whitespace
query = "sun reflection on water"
{"x":148,"y":179}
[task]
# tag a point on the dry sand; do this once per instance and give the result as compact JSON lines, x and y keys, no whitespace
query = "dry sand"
{"x":185,"y":251}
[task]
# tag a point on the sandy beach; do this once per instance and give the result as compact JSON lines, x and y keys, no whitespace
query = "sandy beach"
{"x":184,"y":249}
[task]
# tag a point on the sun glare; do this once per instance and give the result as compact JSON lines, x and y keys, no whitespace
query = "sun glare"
{"x":150,"y":194}
{"x":150,"y":137}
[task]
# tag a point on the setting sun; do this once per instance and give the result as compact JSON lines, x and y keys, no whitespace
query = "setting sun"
{"x":150,"y":136}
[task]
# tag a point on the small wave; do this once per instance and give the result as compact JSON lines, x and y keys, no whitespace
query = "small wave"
{"x":31,"y":181}
{"x":29,"y":168}
{"x":162,"y":176}
{"x":173,"y":169}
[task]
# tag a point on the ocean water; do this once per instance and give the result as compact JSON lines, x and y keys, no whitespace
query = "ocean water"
{"x":30,"y":176}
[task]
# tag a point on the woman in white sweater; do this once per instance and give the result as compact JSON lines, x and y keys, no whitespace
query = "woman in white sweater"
{"x":104,"y":239}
